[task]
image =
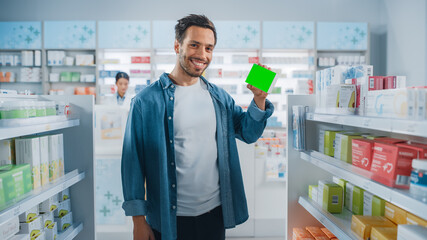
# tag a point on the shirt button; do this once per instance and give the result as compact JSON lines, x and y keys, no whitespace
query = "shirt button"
{"x":172,"y":86}
{"x":173,"y":207}
{"x":172,"y":163}
{"x":173,"y":185}
{"x":171,"y":98}
{"x":169,"y":118}
{"x":170,"y":141}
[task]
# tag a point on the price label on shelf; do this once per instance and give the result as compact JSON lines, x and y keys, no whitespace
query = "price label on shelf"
{"x":411,"y":128}
{"x":366,"y":122}
{"x":48,"y":127}
{"x":17,"y":210}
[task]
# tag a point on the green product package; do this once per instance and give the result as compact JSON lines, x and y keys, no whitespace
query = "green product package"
{"x":332,"y":198}
{"x":310,"y":190}
{"x":343,"y":184}
{"x":357,"y":206}
{"x":41,"y":112}
{"x":343,"y":146}
{"x":378,"y":206}
{"x":329,"y":142}
{"x":261,"y":78}
{"x":65,"y":76}
{"x":75,"y":77}
{"x":8,"y":183}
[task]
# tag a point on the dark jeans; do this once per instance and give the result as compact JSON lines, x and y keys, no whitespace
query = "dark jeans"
{"x":208,"y":226}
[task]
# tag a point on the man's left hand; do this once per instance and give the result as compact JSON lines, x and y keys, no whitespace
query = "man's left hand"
{"x":259,"y":95}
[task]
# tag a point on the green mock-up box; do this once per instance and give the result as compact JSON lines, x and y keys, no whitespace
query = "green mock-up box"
{"x":8,"y":183}
{"x":261,"y":78}
{"x":65,"y":76}
{"x":378,"y":206}
{"x":342,"y":183}
{"x":357,"y":206}
{"x":343,"y":146}
{"x":332,"y":196}
{"x":310,"y":191}
{"x":22,"y":185}
{"x":329,"y":142}
{"x":75,"y":77}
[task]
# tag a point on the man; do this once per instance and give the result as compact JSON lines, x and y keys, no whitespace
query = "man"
{"x":180,"y":142}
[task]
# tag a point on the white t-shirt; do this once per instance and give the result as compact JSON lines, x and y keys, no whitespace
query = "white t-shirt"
{"x":194,"y":123}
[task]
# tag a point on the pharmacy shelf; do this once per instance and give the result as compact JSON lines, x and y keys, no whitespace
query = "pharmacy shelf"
{"x":20,"y":66}
{"x":39,"y":195}
{"x":27,"y":126}
{"x":362,"y":178}
{"x":338,"y":224}
{"x":19,"y":82}
{"x":71,"y":232}
{"x":72,"y":66}
{"x":402,"y":126}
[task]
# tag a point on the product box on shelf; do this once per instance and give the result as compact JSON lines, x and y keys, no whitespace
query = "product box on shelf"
{"x":140,"y":59}
{"x":32,"y":229}
{"x":9,"y":228}
{"x":47,"y":219}
{"x":391,"y":165}
{"x":85,"y":60}
{"x":328,"y":233}
{"x":330,"y":196}
{"x":29,"y":215}
{"x":362,"y":225}
{"x":64,"y":195}
{"x":63,"y":209}
{"x":343,"y":142}
{"x":64,"y":222}
{"x":389,"y":140}
{"x":384,"y":233}
{"x":16,"y":181}
{"x":419,"y":147}
{"x":53,"y":157}
{"x":421,"y":110}
{"x":392,"y":103}
{"x":376,"y":83}
{"x":317,"y":233}
{"x":44,"y":160}
{"x":322,"y":141}
{"x":301,"y":234}
{"x":349,"y":196}
{"x":357,"y":203}
{"x":61,"y":154}
{"x":342,"y":183}
{"x":6,"y":152}
{"x":395,"y":214}
{"x":28,"y":152}
{"x":362,"y":153}
{"x":49,"y":204}
{"x":311,"y":189}
{"x":55,"y":58}
{"x":411,"y":232}
{"x":329,"y":139}
{"x":51,"y":231}
{"x":411,"y":219}
{"x":20,"y":237}
{"x":373,"y":205}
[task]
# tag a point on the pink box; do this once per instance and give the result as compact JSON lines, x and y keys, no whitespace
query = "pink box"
{"x":376,"y":83}
{"x":361,"y":153}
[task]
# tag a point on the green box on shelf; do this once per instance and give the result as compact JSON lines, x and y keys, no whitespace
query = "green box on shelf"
{"x":261,"y":78}
{"x":331,"y":196}
{"x":357,"y":206}
{"x":343,"y":146}
{"x":65,"y":76}
{"x":378,"y":206}
{"x":310,"y":190}
{"x":75,"y":77}
{"x":8,"y":183}
{"x":329,"y":142}
{"x":342,"y":183}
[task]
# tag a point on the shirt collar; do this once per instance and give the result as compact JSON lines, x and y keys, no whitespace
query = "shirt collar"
{"x":166,"y":82}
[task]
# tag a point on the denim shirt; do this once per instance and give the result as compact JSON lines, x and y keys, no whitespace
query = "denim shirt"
{"x":149,"y":157}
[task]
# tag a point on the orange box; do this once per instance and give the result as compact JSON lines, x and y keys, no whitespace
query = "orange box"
{"x":384,"y":233}
{"x":317,"y":233}
{"x":395,"y":213}
{"x":362,"y":225}
{"x":301,"y":234}
{"x":419,"y":147}
{"x":392,"y":165}
{"x":361,"y":153}
{"x":411,"y":219}
{"x":328,"y":233}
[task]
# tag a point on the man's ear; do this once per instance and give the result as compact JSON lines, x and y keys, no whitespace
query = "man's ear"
{"x":176,"y":46}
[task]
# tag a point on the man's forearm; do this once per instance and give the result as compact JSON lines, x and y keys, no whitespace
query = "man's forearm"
{"x":260,"y":102}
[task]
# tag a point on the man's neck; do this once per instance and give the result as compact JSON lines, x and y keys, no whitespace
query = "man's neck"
{"x":181,"y":78}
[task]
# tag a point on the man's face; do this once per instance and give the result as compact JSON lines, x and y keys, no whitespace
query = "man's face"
{"x":195,"y":52}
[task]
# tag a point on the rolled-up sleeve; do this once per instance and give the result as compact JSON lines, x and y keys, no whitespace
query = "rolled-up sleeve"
{"x":133,"y":177}
{"x":250,"y":125}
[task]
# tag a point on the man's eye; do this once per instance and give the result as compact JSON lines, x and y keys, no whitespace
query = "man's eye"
{"x":193,"y":45}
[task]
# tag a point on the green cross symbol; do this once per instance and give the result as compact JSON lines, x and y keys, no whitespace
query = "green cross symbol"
{"x":303,"y":28}
{"x":144,"y":32}
{"x":21,"y":27}
{"x":108,"y":195}
{"x":249,"y":28}
{"x":82,"y":39}
{"x":36,"y":32}
{"x":246,"y":39}
{"x":28,"y":39}
{"x":300,"y":39}
{"x":309,"y":32}
{"x":31,"y":28}
{"x":136,"y":38}
{"x":139,"y":28}
{"x":354,"y":40}
{"x":117,"y":201}
{"x":254,"y":32}
{"x":85,"y":28}
{"x":90,"y":32}
{"x":105,"y":210}
{"x":362,"y":34}
{"x":357,"y":29}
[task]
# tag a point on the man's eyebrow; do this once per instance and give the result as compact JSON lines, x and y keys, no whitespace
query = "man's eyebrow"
{"x":196,"y":42}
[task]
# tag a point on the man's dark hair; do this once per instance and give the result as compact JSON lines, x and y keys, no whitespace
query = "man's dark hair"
{"x":192,"y":20}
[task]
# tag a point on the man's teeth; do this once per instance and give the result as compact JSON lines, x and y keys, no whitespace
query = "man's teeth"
{"x":198,"y":63}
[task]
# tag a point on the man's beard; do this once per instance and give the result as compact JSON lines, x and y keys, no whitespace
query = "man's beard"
{"x":186,"y":68}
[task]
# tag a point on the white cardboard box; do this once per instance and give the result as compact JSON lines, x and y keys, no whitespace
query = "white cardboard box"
{"x":28,"y":152}
{"x":44,"y":160}
{"x":6,"y":152}
{"x":9,"y":228}
{"x":29,"y":215}
{"x":411,"y":232}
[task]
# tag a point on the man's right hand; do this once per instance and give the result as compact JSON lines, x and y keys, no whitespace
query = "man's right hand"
{"x":141,"y":229}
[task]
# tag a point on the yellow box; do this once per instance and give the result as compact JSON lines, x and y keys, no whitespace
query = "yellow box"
{"x":395,"y":214}
{"x":361,"y":225}
{"x":411,"y":219}
{"x":384,"y":233}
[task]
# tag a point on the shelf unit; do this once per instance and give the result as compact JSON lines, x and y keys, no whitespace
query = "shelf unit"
{"x":78,"y":162}
{"x":304,"y":211}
